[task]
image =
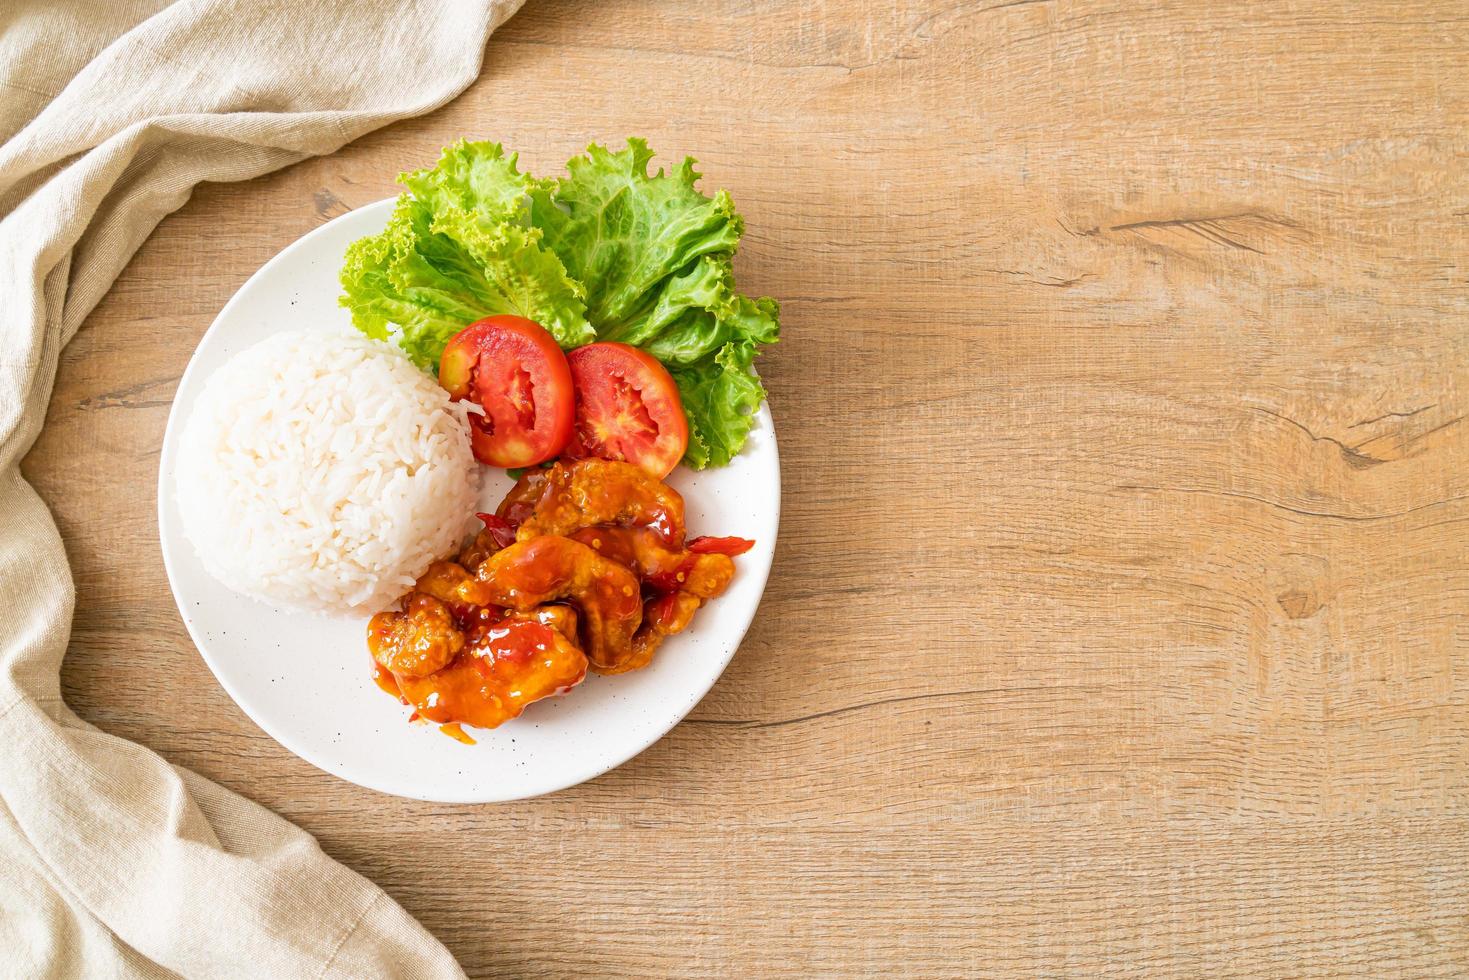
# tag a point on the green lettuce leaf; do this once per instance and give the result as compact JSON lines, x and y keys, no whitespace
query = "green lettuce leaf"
{"x":656,"y":257}
{"x":431,"y":274}
{"x":478,"y":177}
{"x":622,"y":232}
{"x":379,"y":280}
{"x":720,"y":399}
{"x":698,"y":313}
{"x":525,"y":279}
{"x":607,"y":252}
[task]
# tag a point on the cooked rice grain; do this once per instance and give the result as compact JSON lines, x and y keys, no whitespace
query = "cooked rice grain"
{"x":324,"y":472}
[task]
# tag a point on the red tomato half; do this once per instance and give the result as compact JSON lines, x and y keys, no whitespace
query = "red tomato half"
{"x":627,"y":407}
{"x":512,"y":368}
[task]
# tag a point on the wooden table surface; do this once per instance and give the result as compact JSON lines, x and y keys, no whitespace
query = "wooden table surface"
{"x":1120,"y":616}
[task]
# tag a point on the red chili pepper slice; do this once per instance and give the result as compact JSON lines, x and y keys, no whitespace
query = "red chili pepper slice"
{"x":500,"y":529}
{"x":720,"y":546}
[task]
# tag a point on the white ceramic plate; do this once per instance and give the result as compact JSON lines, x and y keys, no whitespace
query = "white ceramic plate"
{"x":305,"y":678}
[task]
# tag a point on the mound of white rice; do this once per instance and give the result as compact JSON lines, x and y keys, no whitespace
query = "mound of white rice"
{"x":324,"y":472}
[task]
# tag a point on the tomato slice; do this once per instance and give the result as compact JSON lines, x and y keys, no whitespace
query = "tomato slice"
{"x":627,"y":407}
{"x":513,"y":369}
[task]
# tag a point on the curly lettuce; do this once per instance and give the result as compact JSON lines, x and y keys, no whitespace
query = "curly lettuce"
{"x":720,"y":398}
{"x":607,"y":252}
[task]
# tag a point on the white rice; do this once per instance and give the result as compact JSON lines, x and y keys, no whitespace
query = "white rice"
{"x":324,"y":472}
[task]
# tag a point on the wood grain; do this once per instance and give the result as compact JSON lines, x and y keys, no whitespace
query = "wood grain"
{"x":1120,"y":616}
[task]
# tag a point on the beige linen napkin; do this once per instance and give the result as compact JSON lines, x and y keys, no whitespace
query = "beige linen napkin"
{"x":113,"y":862}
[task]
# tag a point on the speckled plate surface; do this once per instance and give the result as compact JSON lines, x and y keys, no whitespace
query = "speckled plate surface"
{"x":305,"y":678}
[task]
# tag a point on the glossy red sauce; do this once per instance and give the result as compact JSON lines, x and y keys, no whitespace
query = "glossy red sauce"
{"x":589,"y":492}
{"x":386,"y":681}
{"x":505,"y":665}
{"x":501,"y":530}
{"x":621,"y":583}
{"x":458,"y":734}
{"x":511,"y":640}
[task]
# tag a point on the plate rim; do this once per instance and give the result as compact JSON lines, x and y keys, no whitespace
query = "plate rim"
{"x":167,"y":454}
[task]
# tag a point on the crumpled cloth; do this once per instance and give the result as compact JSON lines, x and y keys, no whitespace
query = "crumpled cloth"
{"x":112,"y":861}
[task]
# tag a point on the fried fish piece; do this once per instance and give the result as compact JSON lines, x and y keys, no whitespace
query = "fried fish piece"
{"x":550,"y":568}
{"x":505,"y":665}
{"x":417,"y":641}
{"x":570,"y":496}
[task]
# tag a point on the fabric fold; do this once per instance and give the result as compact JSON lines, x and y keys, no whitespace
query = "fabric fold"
{"x":112,"y":861}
